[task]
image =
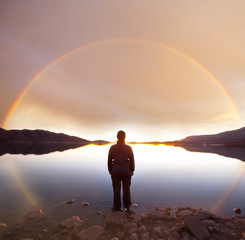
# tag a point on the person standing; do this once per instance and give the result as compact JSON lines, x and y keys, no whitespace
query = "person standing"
{"x":121,"y":167}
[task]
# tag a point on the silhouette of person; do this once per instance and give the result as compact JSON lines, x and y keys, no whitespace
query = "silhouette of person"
{"x":121,"y":167}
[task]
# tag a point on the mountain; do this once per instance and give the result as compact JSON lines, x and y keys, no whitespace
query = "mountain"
{"x":233,"y":137}
{"x":229,"y":144}
{"x":37,"y":136}
{"x":37,"y":142}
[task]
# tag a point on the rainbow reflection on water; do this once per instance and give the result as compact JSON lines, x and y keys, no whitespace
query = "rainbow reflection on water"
{"x":166,"y":176}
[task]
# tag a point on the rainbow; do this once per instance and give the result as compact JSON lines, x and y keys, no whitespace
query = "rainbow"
{"x":93,"y":44}
{"x":19,"y":182}
{"x":229,"y":191}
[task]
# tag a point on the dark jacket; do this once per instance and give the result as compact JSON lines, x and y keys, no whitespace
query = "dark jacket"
{"x":121,"y":158}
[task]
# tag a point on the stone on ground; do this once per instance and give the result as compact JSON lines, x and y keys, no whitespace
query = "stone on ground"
{"x":91,"y":233}
{"x":198,"y":228}
{"x":115,"y":218}
{"x":71,"y":222}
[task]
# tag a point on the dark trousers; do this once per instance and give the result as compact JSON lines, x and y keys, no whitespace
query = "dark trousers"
{"x":125,"y":180}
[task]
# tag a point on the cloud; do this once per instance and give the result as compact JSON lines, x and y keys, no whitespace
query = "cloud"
{"x":125,"y":82}
{"x":122,"y":83}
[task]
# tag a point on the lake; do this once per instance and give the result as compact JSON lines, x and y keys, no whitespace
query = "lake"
{"x":165,"y":175}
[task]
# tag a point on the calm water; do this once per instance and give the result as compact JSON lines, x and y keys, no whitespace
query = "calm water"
{"x":164,"y":176}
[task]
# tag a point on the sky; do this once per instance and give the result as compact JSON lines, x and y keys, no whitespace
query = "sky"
{"x":160,"y":70}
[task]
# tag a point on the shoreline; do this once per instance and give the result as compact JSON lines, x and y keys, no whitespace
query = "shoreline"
{"x":172,"y":224}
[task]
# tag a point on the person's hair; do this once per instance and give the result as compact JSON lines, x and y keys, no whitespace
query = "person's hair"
{"x":121,"y":135}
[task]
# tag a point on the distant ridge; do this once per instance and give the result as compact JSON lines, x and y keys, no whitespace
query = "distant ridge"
{"x":232,"y":138}
{"x":37,"y":136}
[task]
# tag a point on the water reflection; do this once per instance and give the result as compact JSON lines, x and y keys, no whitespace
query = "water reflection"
{"x":232,"y":152}
{"x":38,"y":149}
{"x":164,"y":175}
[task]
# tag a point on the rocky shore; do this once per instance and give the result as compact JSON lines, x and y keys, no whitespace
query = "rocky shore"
{"x":181,"y":223}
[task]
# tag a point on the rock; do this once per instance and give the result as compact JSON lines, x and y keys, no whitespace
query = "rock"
{"x":120,"y":235}
{"x":174,"y":238}
{"x":209,"y":222}
{"x":144,"y":215}
{"x":142,"y":229}
{"x":230,"y":224}
{"x":157,"y":231}
{"x":85,"y":204}
{"x":145,"y":236}
{"x":61,"y":237}
{"x":185,"y":236}
{"x":65,"y":231}
{"x":198,"y":229}
{"x":99,"y":212}
{"x":72,"y":222}
{"x":157,"y":215}
{"x":203,"y":214}
{"x":33,"y":215}
{"x":26,"y":239}
{"x":185,"y":213}
{"x":157,"y":207}
{"x":133,"y":236}
{"x":39,"y":236}
{"x":2,"y":226}
{"x":237,"y":210}
{"x":130,"y":227}
{"x":135,"y":205}
{"x":91,"y":233}
{"x":115,"y":238}
{"x":130,"y":211}
{"x":115,"y":218}
{"x":70,"y":201}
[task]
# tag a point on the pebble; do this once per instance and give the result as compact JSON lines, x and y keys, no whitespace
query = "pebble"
{"x":157,"y":207}
{"x":70,"y":201}
{"x":85,"y":204}
{"x":33,"y":215}
{"x":3,"y":226}
{"x":237,"y":210}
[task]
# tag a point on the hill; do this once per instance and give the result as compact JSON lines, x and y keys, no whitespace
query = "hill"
{"x":37,"y":136}
{"x":233,"y":137}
